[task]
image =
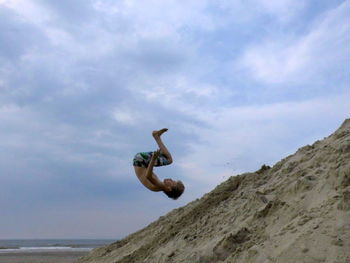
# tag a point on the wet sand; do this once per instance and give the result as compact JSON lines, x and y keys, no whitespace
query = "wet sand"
{"x":41,"y":257}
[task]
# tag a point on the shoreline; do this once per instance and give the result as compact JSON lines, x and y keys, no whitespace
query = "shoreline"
{"x":43,"y":250}
{"x":39,"y":256}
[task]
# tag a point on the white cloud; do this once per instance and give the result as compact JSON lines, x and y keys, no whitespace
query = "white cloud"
{"x":29,"y":11}
{"x":128,"y":116}
{"x":304,"y":58}
{"x":283,"y":10}
{"x":100,"y":42}
{"x":124,"y":117}
{"x":6,"y":110}
{"x":160,"y":18}
{"x":179,"y":90}
{"x":241,"y":139}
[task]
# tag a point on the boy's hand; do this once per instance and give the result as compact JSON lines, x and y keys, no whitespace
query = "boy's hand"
{"x":155,"y":154}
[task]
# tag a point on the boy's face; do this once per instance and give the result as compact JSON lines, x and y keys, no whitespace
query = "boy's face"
{"x":170,"y":183}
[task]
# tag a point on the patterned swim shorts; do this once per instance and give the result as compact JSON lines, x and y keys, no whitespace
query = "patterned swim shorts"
{"x":143,"y":159}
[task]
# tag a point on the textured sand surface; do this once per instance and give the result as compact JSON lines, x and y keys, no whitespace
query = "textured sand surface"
{"x":296,"y":211}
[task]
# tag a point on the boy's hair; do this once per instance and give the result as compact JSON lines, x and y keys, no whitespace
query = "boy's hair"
{"x":176,"y":191}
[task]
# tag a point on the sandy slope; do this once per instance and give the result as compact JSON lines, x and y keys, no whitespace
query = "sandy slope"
{"x":297,"y":211}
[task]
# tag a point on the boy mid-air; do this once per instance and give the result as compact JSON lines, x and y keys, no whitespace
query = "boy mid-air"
{"x":145,"y":161}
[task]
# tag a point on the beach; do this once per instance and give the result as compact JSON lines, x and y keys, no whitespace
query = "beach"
{"x":42,"y":257}
{"x":47,"y":250}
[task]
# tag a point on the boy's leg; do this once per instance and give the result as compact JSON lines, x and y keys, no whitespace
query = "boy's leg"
{"x":156,"y":135}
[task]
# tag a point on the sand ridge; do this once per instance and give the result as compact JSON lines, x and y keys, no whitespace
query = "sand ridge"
{"x":296,"y":211}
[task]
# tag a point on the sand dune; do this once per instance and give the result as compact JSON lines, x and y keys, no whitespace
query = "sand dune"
{"x":296,"y":211}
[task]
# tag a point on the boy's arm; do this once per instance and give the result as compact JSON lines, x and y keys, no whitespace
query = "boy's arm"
{"x":149,"y":172}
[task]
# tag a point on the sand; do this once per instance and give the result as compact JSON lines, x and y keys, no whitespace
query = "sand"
{"x":297,"y":211}
{"x":41,"y":257}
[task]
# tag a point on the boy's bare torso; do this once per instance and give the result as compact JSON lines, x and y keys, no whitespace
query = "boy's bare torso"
{"x":140,"y":173}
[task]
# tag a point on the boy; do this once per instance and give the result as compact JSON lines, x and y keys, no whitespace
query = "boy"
{"x":145,"y":161}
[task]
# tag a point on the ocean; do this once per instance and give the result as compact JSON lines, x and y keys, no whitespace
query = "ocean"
{"x":51,"y":245}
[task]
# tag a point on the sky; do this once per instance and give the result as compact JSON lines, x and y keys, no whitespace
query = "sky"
{"x":83,"y":84}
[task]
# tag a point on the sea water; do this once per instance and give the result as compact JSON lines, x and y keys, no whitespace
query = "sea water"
{"x":53,"y":245}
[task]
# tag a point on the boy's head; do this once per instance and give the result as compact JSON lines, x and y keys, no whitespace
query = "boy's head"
{"x":173,"y":188}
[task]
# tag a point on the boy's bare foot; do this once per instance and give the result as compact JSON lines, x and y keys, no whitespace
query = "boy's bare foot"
{"x":157,"y":134}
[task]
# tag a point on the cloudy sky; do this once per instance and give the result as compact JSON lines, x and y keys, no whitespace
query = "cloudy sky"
{"x":83,"y":83}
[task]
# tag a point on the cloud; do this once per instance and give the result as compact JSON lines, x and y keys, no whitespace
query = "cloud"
{"x":241,"y":139}
{"x":127,"y":116}
{"x":284,"y":11}
{"x":303,"y":59}
{"x":82,"y":88}
{"x":67,"y":13}
{"x":161,"y":18}
{"x":16,"y":37}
